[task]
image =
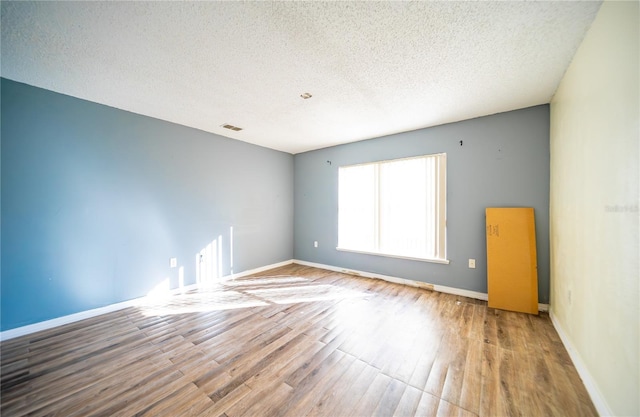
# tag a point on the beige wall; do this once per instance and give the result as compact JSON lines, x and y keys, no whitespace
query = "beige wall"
{"x":594,"y":209}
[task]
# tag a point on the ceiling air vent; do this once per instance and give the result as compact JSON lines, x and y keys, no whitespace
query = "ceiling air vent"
{"x":232,"y":127}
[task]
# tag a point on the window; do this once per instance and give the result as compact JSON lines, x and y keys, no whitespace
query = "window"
{"x":394,"y":208}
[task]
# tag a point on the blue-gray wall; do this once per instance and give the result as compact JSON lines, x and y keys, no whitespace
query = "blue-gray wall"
{"x":503,"y":161}
{"x":95,"y":201}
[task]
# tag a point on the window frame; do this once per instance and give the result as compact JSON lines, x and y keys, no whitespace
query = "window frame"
{"x":440,"y":240}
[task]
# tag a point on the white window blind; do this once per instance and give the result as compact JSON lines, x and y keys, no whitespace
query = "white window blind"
{"x":395,"y":208}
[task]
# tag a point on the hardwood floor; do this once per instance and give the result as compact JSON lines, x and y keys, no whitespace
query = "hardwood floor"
{"x":296,"y":341}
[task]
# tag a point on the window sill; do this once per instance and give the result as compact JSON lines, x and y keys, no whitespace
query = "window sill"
{"x":436,"y":261}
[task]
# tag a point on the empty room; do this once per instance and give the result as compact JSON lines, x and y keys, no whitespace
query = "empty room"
{"x":320,"y":208}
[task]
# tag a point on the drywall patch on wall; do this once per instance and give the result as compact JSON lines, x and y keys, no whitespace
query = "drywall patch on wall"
{"x":595,"y":230}
{"x":96,"y":201}
{"x":493,"y":161}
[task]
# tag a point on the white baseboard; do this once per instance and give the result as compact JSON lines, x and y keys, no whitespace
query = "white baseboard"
{"x":434,"y":287}
{"x":72,"y":318}
{"x":260,"y":269}
{"x":589,"y":383}
{"x":59,"y":321}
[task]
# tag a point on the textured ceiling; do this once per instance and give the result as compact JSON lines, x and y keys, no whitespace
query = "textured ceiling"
{"x":372,"y":68}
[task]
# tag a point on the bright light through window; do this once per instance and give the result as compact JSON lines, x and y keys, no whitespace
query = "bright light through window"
{"x":395,"y":208}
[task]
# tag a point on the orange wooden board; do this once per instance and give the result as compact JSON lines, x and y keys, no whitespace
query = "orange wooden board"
{"x":512,"y":269}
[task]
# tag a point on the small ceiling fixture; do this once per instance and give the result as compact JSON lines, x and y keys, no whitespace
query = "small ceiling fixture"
{"x":306,"y":96}
{"x":231,"y":127}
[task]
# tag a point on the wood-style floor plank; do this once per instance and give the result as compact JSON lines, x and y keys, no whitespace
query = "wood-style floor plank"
{"x":371,"y":398}
{"x":296,"y":341}
{"x":408,"y":403}
{"x":336,"y":392}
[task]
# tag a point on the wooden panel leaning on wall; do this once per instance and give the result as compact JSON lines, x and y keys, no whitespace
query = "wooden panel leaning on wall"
{"x":296,"y":341}
{"x":512,"y":266}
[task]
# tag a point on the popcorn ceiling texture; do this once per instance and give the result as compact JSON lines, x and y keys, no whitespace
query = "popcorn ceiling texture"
{"x":373,"y":68}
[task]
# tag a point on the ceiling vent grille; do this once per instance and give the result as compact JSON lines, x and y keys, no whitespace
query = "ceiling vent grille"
{"x":232,"y":127}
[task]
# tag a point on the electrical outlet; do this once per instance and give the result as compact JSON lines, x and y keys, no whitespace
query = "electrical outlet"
{"x":173,"y":262}
{"x":472,"y":263}
{"x":315,"y":243}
